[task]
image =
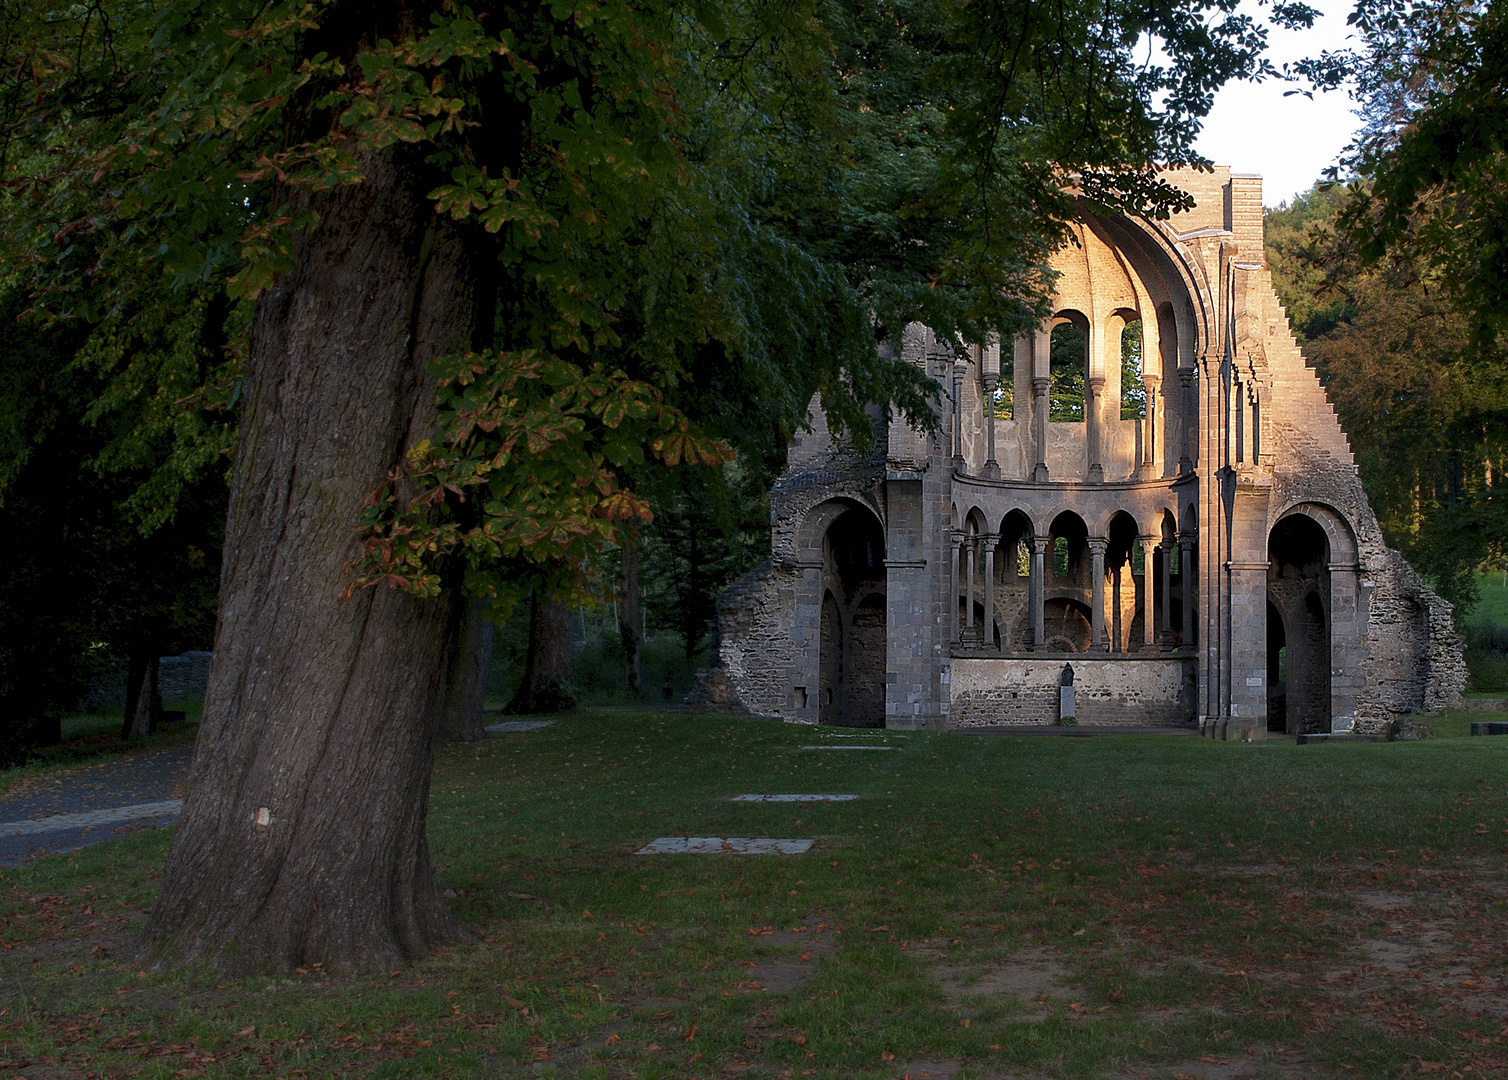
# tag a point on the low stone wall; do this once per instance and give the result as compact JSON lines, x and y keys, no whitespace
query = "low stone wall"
{"x":1123,"y":692}
{"x":178,"y":677}
{"x":184,"y":676}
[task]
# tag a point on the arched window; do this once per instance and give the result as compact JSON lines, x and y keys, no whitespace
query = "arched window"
{"x":1060,"y":558}
{"x":1133,"y":389}
{"x":1005,"y":389}
{"x":1067,"y":364}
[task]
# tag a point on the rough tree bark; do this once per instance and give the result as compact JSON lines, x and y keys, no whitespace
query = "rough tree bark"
{"x":466,"y":685}
{"x":629,"y":627}
{"x":143,"y":702}
{"x":303,"y":832}
{"x":546,"y":686}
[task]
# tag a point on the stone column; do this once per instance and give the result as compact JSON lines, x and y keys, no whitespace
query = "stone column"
{"x":971,"y":557}
{"x":990,"y":540}
{"x":1094,"y":396}
{"x":1097,"y":546}
{"x":958,"y":372}
{"x":1040,"y":402}
{"x":1038,"y":589}
{"x":955,"y":544}
{"x":1116,"y":614}
{"x":1186,"y":579}
{"x":1190,"y":417}
{"x":1151,"y":464}
{"x":991,"y":466}
{"x":1166,"y":637}
{"x":1148,"y":598}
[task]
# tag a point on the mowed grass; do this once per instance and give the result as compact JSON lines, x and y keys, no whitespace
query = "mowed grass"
{"x":1109,"y":906}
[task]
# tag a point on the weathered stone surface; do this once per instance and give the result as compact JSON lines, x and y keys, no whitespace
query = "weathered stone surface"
{"x":1212,"y":561}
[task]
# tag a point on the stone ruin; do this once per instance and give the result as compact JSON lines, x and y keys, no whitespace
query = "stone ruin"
{"x":1152,"y":486}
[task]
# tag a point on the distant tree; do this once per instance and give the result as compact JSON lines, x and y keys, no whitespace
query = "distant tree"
{"x":1428,"y":423}
{"x":1430,"y":78}
{"x":110,"y":557}
{"x":709,"y":528}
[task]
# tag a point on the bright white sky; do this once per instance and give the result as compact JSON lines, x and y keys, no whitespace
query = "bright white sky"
{"x":1288,"y":141}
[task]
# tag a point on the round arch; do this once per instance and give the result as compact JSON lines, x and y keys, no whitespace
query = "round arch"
{"x":1338,"y":531}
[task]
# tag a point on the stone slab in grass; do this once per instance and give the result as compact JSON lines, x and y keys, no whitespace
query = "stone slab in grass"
{"x":793,"y":798}
{"x":1489,"y":727}
{"x":847,"y":746}
{"x":520,"y":725}
{"x":719,"y":845}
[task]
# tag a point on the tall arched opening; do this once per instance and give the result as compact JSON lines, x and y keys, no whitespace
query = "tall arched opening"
{"x":1068,"y":590}
{"x":1298,"y":591}
{"x":852,"y":642}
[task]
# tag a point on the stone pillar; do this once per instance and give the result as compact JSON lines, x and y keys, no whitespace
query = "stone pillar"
{"x":1040,"y":401}
{"x":1166,"y":634}
{"x":958,"y":373}
{"x":1186,"y":580}
{"x":971,"y":559}
{"x":990,"y":540}
{"x":991,"y":466}
{"x":1117,"y":627}
{"x":1151,"y":451}
{"x":1097,"y":546}
{"x":1148,"y":598}
{"x":1190,"y":416}
{"x":955,"y":544}
{"x":1038,"y":591}
{"x":1094,"y":396}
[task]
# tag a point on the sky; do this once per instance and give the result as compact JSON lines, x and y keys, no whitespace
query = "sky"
{"x":1288,"y":141}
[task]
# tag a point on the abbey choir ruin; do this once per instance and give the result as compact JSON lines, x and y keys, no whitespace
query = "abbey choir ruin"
{"x":1149,"y":497}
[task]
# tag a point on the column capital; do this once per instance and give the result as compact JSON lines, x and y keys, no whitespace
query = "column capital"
{"x":1096,"y":382}
{"x":1040,"y":543}
{"x":1149,"y":539}
{"x":1039,"y":383}
{"x":1098,"y":545}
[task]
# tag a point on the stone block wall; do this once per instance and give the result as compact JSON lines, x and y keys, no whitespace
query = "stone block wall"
{"x":1153,"y":692}
{"x":756,"y":646}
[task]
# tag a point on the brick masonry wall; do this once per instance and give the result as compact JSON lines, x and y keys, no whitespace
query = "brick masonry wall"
{"x":1134,"y":693}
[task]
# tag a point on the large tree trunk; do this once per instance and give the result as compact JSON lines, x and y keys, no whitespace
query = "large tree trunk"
{"x":302,"y":838}
{"x":629,"y":627}
{"x":546,"y":686}
{"x":466,"y":688}
{"x":143,"y":702}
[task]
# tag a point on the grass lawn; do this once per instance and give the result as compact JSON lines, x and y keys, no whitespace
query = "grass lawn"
{"x":1493,"y":603}
{"x":992,"y":907}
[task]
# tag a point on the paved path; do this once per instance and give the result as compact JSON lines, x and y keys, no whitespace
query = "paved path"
{"x":58,"y":812}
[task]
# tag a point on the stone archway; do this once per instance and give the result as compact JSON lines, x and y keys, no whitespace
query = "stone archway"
{"x":852,"y":638}
{"x":1298,"y":590}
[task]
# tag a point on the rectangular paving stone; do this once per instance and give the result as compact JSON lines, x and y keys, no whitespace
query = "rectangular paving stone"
{"x":520,"y":725}
{"x":847,"y":746}
{"x":718,"y":845}
{"x":793,"y":798}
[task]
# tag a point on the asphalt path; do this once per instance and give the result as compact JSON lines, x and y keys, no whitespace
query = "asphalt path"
{"x":63,"y":811}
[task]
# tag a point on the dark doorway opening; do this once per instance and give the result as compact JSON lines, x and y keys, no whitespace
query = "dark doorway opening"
{"x":1298,"y":589}
{"x":853,"y":637}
